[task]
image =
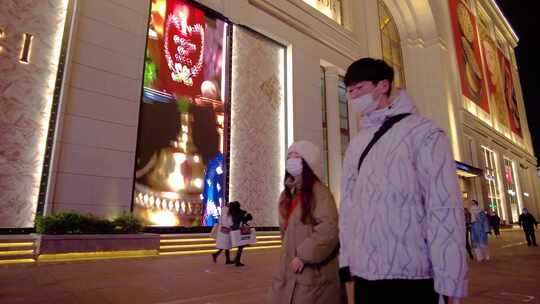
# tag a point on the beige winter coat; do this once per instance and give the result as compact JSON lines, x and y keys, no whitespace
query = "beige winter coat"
{"x":317,"y":246}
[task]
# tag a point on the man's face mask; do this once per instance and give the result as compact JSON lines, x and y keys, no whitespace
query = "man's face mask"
{"x":364,"y":104}
{"x":365,"y":96}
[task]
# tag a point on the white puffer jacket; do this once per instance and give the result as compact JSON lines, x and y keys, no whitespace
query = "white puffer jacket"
{"x":402,"y":216}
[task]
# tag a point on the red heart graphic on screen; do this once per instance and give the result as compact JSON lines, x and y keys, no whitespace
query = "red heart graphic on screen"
{"x":184,"y":49}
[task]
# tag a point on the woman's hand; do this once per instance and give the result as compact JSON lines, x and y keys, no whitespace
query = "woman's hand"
{"x":296,"y":265}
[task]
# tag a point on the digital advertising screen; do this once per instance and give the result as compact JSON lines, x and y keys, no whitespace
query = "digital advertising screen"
{"x":179,"y":167}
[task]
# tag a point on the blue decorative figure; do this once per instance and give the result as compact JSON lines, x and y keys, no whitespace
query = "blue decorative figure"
{"x":213,"y":191}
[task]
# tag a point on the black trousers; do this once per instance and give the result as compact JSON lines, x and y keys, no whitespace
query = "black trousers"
{"x":468,"y":243}
{"x":529,"y":235}
{"x":395,"y":291}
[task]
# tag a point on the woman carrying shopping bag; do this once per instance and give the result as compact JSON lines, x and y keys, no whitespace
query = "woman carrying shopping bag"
{"x":239,"y":218}
{"x":308,"y":269}
{"x":223,"y":236}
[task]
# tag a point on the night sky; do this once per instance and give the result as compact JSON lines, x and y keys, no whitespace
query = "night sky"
{"x":526,"y":24}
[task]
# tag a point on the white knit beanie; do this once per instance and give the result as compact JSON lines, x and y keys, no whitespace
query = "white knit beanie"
{"x":310,"y":153}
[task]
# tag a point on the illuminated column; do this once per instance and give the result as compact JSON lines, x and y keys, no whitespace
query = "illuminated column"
{"x":32,"y":73}
{"x":334,"y":135}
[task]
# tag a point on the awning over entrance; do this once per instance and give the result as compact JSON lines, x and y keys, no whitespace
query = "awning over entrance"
{"x":465,"y":170}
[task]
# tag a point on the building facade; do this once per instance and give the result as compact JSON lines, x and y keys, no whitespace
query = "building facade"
{"x":167,"y":108}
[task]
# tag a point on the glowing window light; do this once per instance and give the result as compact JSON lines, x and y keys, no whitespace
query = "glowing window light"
{"x":329,"y":8}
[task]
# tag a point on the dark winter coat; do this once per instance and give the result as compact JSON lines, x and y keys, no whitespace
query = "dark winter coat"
{"x":527,"y":221}
{"x":495,"y":221}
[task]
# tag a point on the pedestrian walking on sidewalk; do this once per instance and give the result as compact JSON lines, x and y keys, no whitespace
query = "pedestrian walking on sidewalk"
{"x":468,"y":233}
{"x":528,"y":222}
{"x":239,"y":217}
{"x":308,"y":269}
{"x":401,"y":225}
{"x":495,"y":222}
{"x":223,"y":235}
{"x":479,"y":232}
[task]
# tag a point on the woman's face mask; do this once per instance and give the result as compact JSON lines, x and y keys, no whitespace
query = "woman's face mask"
{"x":294,"y":166}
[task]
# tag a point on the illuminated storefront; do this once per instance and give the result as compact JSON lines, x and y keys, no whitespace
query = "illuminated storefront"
{"x":493,"y":184}
{"x":171,"y":117}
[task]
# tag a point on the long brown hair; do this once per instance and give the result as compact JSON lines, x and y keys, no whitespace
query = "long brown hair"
{"x":308,"y":180}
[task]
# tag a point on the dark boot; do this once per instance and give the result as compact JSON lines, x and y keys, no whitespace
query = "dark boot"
{"x":237,"y":262}
{"x":215,"y":255}
{"x":228,"y":258}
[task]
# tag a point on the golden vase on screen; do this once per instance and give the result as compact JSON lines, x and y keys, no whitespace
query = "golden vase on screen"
{"x":176,"y":182}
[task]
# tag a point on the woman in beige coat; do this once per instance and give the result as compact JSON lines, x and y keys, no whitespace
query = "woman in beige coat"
{"x":308,"y":269}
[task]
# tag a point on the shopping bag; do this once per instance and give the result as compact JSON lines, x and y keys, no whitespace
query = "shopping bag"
{"x":223,"y":238}
{"x":243,"y":236}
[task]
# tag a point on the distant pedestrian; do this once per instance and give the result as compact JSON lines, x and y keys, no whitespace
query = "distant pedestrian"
{"x":468,"y":233}
{"x":527,"y":221}
{"x":239,"y":217}
{"x":495,"y":222}
{"x":223,"y":235}
{"x":479,"y":232}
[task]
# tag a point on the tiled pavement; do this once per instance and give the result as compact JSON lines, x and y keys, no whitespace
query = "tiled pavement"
{"x":512,"y":276}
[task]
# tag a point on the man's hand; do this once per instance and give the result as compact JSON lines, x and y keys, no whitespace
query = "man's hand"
{"x":296,"y":265}
{"x":349,"y":288}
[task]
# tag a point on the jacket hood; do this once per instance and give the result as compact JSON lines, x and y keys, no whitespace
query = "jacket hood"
{"x":401,"y":103}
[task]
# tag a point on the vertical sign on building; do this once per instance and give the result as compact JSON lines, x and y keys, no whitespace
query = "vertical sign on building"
{"x":509,"y":93}
{"x":468,"y":54}
{"x":494,"y":81}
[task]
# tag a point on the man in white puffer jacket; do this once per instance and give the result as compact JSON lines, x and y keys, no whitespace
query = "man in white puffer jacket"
{"x":402,"y":228}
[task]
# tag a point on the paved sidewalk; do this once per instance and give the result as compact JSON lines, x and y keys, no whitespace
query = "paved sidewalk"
{"x":512,"y":276}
